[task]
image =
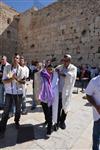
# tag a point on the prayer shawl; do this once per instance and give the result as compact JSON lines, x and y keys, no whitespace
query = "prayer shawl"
{"x":68,"y":86}
{"x":46,"y":94}
{"x":37,"y":87}
{"x":54,"y":84}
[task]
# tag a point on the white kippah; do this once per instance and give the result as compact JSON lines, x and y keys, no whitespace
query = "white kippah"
{"x":67,"y":55}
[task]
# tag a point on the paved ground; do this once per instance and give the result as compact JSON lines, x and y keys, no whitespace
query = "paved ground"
{"x":77,"y":135}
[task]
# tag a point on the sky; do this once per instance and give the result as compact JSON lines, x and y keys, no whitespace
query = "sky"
{"x":23,"y":5}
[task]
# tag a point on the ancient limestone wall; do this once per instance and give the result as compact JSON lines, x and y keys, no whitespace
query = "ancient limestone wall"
{"x":8,"y":31}
{"x":67,"y":26}
{"x":64,"y":27}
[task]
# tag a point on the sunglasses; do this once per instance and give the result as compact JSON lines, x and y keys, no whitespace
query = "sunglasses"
{"x":65,"y":60}
{"x":17,"y":58}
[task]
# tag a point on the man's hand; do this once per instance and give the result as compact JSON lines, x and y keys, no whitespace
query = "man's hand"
{"x":62,"y":74}
{"x":57,"y":70}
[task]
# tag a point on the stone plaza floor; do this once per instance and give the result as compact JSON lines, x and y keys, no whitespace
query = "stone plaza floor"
{"x":76,"y":136}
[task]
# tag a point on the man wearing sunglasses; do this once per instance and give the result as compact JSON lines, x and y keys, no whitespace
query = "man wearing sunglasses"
{"x":13,"y":80}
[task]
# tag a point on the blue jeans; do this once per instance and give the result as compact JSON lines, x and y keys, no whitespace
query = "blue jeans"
{"x":96,"y":135}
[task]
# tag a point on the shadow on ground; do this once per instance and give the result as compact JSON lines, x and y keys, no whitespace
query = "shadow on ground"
{"x":10,"y":137}
{"x":26,"y":132}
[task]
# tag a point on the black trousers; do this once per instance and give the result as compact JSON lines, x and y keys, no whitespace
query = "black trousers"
{"x":48,"y":114}
{"x":9,"y":99}
{"x":61,"y":113}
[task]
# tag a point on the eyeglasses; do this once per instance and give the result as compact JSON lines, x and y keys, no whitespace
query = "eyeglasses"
{"x":65,"y":60}
{"x":16,"y":57}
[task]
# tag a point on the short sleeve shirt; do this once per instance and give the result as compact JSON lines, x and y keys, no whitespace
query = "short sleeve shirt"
{"x":93,"y":89}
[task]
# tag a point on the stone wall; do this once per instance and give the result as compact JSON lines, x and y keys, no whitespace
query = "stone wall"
{"x":67,"y":26}
{"x":8,"y":31}
{"x":64,"y":27}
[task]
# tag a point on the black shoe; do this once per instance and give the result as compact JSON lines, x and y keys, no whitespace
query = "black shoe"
{"x":62,"y":126}
{"x":55,"y":127}
{"x":24,"y":112}
{"x":17,"y":125}
{"x":48,"y":131}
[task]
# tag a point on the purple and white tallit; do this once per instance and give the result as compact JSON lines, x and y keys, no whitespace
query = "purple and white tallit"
{"x":46,"y":94}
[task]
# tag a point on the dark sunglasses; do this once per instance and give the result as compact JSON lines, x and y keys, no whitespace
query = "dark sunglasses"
{"x":17,"y":58}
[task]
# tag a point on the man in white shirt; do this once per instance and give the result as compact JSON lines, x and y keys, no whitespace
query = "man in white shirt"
{"x":26,"y":75}
{"x":13,"y":80}
{"x":93,"y":96}
{"x":67,"y":75}
{"x":2,"y":65}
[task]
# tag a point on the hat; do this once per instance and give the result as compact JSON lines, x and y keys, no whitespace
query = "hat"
{"x":68,"y":56}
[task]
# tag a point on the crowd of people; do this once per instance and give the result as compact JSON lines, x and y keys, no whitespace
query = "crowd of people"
{"x":54,"y":83}
{"x":85,"y":73}
{"x":52,"y":86}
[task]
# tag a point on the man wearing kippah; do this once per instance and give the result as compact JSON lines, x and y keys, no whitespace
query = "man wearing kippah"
{"x":67,"y":76}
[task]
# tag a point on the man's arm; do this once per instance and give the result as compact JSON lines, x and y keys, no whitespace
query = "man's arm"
{"x":21,"y":81}
{"x":14,"y":77}
{"x":5,"y":81}
{"x":92,"y":101}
